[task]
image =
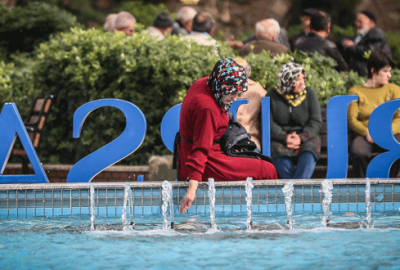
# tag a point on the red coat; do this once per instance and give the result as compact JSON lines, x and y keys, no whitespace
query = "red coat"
{"x":202,"y":121}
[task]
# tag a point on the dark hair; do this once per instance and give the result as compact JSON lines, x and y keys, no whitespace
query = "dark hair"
{"x":203,"y":22}
{"x":369,"y":14}
{"x":378,"y":60}
{"x":309,"y":11}
{"x":320,"y":21}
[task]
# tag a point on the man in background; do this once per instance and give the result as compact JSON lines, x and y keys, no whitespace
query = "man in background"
{"x":316,"y":40}
{"x":266,"y":34}
{"x":183,"y":25}
{"x":368,"y":38}
{"x":125,"y":22}
{"x":162,"y":25}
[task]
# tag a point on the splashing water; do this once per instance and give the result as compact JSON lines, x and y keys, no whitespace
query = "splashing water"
{"x":249,"y":198}
{"x":368,"y":201}
{"x":127,"y":199}
{"x":288,"y":192}
{"x":327,"y":187}
{"x":167,"y":200}
{"x":211,"y":196}
{"x":92,"y":210}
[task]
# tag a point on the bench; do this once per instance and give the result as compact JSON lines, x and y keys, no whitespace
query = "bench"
{"x":34,"y":125}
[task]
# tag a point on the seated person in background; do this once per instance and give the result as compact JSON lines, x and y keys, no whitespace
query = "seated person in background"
{"x":203,"y":120}
{"x":203,"y":27}
{"x":183,"y":25}
{"x":368,"y":38}
{"x":295,"y":123}
{"x":281,"y":39}
{"x":306,"y":22}
{"x":125,"y":22}
{"x":109,"y":23}
{"x":371,"y":94}
{"x":266,"y":34}
{"x":316,"y":40}
{"x":248,"y":115}
{"x":162,"y":25}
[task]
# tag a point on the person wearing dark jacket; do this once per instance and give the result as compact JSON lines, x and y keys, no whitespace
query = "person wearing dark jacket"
{"x":368,"y":38}
{"x":316,"y":40}
{"x":295,"y":123}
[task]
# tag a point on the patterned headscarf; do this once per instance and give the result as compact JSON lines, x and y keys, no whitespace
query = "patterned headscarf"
{"x":226,"y":78}
{"x":287,"y":82}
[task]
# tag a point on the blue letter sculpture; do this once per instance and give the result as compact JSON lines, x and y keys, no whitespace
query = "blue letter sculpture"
{"x":380,"y":129}
{"x":338,"y":154}
{"x":11,"y":125}
{"x":130,"y":139}
{"x":170,"y":126}
{"x":266,"y":129}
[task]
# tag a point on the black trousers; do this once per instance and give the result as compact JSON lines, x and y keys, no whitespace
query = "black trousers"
{"x":361,"y":153}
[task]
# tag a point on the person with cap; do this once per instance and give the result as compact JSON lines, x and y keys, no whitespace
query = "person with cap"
{"x":316,"y":40}
{"x":162,"y":25}
{"x":203,"y":121}
{"x":183,"y":25}
{"x":249,"y":115}
{"x":266,"y":34}
{"x":296,"y":119}
{"x":125,"y":22}
{"x":368,"y":38}
{"x":306,"y":22}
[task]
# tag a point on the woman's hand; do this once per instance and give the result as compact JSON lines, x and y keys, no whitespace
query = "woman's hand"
{"x":293,"y":141}
{"x":368,"y":137}
{"x":190,"y":196}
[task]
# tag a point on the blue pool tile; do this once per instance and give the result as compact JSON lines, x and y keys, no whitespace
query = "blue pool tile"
{"x":263,"y":208}
{"x":307,"y":190}
{"x":192,"y":210}
{"x":352,"y":189}
{"x":156,"y":192}
{"x":112,"y":192}
{"x":200,"y":191}
{"x":235,"y":191}
{"x":254,"y":208}
{"x":272,"y":208}
{"x":396,"y":206}
{"x":3,"y":213}
{"x":298,"y":190}
{"x":361,"y":189}
{"x":236,"y":208}
{"x":334,"y":207}
{"x":218,"y":208}
{"x":335,"y":190}
{"x":147,"y":192}
{"x":75,"y":193}
{"x":65,"y":193}
{"x":85,"y":193}
{"x":75,"y":210}
{"x":343,"y":189}
{"x":121,"y":192}
{"x":308,"y":207}
{"x":182,"y":191}
{"x":57,"y":211}
{"x":30,"y":194}
{"x":378,"y":188}
{"x":396,"y":188}
{"x":361,"y":207}
{"x":3,"y":195}
{"x":137,"y":193}
{"x":57,"y":194}
{"x":12,"y":194}
{"x":201,"y":209}
{"x":147,"y":210}
{"x":30,"y":212}
{"x":352,"y":207}
{"x":48,"y":212}
{"x":281,"y":208}
{"x":12,"y":213}
{"x":157,"y":209}
{"x":21,"y":194}
{"x":227,"y":191}
{"x":21,"y":213}
{"x":101,"y":193}
{"x":388,"y":206}
{"x":138,"y":210}
{"x":227,"y":209}
{"x":39,"y":212}
{"x":101,"y":211}
{"x":388,"y":188}
{"x":317,"y":207}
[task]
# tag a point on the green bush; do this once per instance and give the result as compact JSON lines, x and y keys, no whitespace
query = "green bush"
{"x":23,"y":28}
{"x":81,"y":66}
{"x":145,"y":13}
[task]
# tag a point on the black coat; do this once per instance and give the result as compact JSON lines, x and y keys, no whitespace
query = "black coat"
{"x":313,"y":43}
{"x":374,"y":39}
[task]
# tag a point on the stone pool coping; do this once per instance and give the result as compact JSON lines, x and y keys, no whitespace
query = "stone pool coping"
{"x":158,"y":184}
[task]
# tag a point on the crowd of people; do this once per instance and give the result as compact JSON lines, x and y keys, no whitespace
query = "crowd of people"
{"x":294,"y":107}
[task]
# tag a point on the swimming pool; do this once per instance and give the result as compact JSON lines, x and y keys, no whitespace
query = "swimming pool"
{"x":48,"y":227}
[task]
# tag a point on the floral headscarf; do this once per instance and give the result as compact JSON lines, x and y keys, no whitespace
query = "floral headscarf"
{"x":226,"y":78}
{"x":287,"y":82}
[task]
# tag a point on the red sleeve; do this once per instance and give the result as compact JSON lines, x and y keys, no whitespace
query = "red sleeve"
{"x":203,"y":137}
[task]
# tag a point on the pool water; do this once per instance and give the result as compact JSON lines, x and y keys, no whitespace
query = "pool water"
{"x":67,"y":242}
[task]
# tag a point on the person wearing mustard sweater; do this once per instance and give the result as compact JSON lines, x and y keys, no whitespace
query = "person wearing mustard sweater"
{"x":374,"y":92}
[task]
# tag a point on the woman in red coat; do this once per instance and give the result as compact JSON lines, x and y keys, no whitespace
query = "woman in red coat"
{"x":203,"y":120}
